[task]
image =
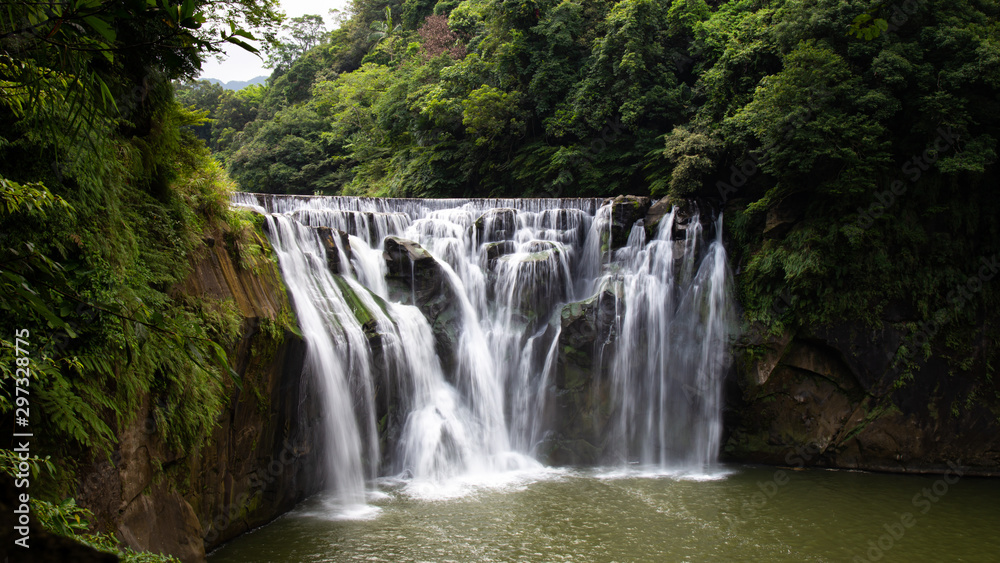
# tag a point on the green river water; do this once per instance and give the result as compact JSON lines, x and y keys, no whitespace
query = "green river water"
{"x":744,"y":513}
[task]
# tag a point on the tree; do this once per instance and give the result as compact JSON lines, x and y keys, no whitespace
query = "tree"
{"x":236,"y":109}
{"x":92,"y":53}
{"x":489,"y":113}
{"x":202,"y":96}
{"x":104,"y":193}
{"x":439,"y":38}
{"x":385,"y":28}
{"x":301,"y":35}
{"x":286,"y":154}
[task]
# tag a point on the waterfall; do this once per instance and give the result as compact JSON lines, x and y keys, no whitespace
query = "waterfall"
{"x":441,"y":334}
{"x":668,"y":366}
{"x":336,"y":353}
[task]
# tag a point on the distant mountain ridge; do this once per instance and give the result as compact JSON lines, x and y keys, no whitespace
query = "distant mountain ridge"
{"x":237,"y":84}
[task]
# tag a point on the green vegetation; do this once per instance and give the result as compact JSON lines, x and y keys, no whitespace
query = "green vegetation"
{"x":106,"y":192}
{"x":851,"y":142}
{"x":67,"y":519}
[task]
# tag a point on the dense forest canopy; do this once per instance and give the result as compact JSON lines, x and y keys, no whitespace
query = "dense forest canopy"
{"x":482,"y":97}
{"x":853,"y":144}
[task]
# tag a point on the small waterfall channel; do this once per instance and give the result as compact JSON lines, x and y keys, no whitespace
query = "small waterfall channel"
{"x":464,"y":340}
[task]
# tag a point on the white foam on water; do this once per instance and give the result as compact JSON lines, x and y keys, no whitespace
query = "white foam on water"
{"x":333,"y":510}
{"x":636,"y":471}
{"x":472,"y":483}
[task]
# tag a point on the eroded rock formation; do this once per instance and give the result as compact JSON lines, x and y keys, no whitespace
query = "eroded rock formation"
{"x":834,"y":397}
{"x":258,"y":462}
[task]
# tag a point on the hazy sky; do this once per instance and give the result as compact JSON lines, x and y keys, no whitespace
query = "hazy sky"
{"x":241,"y":65}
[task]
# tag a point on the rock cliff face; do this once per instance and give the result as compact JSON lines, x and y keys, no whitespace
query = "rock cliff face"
{"x":261,"y":458}
{"x":836,"y":396}
{"x":583,"y":399}
{"x":830,"y":397}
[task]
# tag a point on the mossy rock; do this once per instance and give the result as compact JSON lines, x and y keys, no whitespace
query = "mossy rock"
{"x":626,"y":211}
{"x":416,"y":278}
{"x":333,"y":259}
{"x":494,"y":250}
{"x":496,"y":225}
{"x":357,"y":307}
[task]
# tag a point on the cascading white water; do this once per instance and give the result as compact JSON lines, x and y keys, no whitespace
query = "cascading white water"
{"x":671,"y":356}
{"x":335,"y":352}
{"x":500,"y":272}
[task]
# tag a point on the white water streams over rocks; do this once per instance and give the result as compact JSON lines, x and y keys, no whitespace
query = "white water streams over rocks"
{"x":437,"y":333}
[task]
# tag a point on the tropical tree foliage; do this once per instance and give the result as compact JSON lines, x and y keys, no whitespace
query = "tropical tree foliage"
{"x":303,"y":33}
{"x":808,"y":110}
{"x":105,"y":191}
